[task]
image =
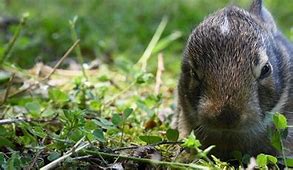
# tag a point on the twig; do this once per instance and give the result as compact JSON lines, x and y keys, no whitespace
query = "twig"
{"x":37,"y":155}
{"x":178,"y":152}
{"x":159,"y":73}
{"x":62,"y":140}
{"x":115,"y":84}
{"x":82,"y":157}
{"x":24,"y":119}
{"x":125,"y":148}
{"x":150,"y":161}
{"x":103,"y":160}
{"x":21,"y":90}
{"x":50,"y":74}
{"x":166,"y":143}
{"x":30,"y":86}
{"x":8,"y":88}
{"x":155,"y":144}
{"x":55,"y":162}
{"x":76,"y":145}
{"x":90,"y":142}
{"x":13,"y":120}
{"x":62,"y":59}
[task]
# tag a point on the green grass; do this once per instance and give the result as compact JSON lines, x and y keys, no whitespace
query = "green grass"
{"x":99,"y":112}
{"x":113,"y":27}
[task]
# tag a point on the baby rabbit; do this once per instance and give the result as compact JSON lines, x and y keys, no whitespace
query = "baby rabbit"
{"x":236,"y":71}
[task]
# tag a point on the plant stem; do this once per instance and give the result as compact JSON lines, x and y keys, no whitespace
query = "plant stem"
{"x":62,"y":59}
{"x":283,"y":153}
{"x":150,"y":161}
{"x":77,"y":50}
{"x":147,"y":53}
{"x":14,"y":38}
{"x":55,"y":162}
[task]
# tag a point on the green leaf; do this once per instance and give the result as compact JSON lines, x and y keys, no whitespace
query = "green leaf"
{"x":191,"y":142}
{"x":14,"y":161}
{"x":284,"y":133}
{"x":48,"y":112}
{"x":142,"y":106}
{"x":73,"y":118}
{"x":75,"y":134}
{"x":99,"y":134}
{"x":280,"y":121}
{"x":27,"y":138}
{"x":203,"y":154}
{"x":103,"y":78}
{"x":272,"y":159}
{"x":95,"y":105}
{"x":114,"y":131}
{"x":3,"y":131}
{"x":289,"y":162}
{"x":261,"y":160}
{"x":2,"y":159}
{"x":246,"y":159}
{"x":104,"y":123}
{"x":172,"y":134}
{"x":117,"y":119}
{"x":90,"y":125}
{"x":208,"y":149}
{"x":53,"y":156}
{"x":33,"y":107}
{"x":150,"y":139}
{"x":38,"y":131}
{"x":166,"y":41}
{"x":90,"y":136}
{"x":5,"y":142}
{"x":276,"y":140}
{"x":127,"y":112}
{"x":58,"y":96}
{"x":2,"y":50}
{"x":143,"y":78}
{"x":219,"y":164}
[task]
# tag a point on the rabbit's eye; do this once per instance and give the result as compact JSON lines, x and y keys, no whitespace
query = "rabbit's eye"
{"x":265,"y":71}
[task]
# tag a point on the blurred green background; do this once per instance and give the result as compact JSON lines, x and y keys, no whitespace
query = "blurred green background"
{"x":112,"y":30}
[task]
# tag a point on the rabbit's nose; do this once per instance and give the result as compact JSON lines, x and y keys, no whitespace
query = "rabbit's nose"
{"x":227,"y":118}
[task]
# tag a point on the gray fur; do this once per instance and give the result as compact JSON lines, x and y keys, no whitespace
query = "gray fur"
{"x":221,"y":96}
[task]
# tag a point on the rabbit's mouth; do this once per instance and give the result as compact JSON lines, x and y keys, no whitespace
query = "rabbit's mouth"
{"x":224,"y":136}
{"x":245,"y":126}
{"x":225,"y":122}
{"x":226,"y":141}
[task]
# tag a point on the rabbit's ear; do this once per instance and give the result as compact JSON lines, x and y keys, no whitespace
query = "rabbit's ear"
{"x":256,"y":7}
{"x":258,"y":10}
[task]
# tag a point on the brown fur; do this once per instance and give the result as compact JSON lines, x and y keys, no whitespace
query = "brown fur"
{"x":221,"y":95}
